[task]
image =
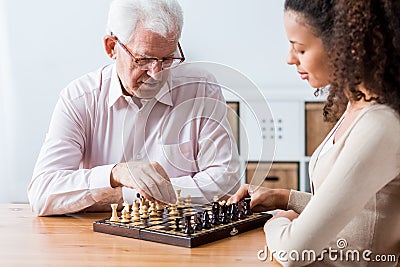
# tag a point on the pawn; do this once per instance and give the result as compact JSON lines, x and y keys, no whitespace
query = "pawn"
{"x":114,"y":215}
{"x":125,"y":217}
{"x":153,"y":210}
{"x":159,"y":207}
{"x":144,"y":214}
{"x":135,"y":212}
{"x":173,"y":211}
{"x":177,"y":224}
{"x":206,"y":220}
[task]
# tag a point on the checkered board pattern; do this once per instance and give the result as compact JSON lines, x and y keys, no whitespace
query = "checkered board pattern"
{"x":162,"y":229}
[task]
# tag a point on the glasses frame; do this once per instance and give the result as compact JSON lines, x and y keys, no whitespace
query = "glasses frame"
{"x":138,"y":59}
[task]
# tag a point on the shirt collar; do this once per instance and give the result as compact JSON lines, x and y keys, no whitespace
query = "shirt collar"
{"x":164,"y":96}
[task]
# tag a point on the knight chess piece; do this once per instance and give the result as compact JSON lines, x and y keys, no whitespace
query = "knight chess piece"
{"x":188,"y":225}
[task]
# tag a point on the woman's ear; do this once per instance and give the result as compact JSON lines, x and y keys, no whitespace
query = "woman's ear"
{"x":109,"y":46}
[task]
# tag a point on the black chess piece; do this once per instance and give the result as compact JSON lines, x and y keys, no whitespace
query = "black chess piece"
{"x":206,"y":220}
{"x":188,"y":225}
{"x":224,"y":214}
{"x":247,"y":210}
{"x":234,"y":214}
{"x":241,"y":214}
{"x":215,"y":213}
{"x":177,"y":224}
{"x":198,"y":224}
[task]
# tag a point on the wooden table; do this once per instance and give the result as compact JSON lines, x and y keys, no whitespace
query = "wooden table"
{"x":27,"y":240}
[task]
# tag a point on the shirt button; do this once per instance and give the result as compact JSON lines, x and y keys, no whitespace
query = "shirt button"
{"x":139,"y":156}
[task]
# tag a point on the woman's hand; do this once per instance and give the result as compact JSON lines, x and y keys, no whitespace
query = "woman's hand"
{"x":263,"y":199}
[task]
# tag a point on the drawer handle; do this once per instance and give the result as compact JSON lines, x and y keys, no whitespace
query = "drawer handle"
{"x":272,"y":178}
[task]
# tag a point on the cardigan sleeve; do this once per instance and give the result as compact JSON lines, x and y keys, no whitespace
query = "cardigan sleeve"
{"x":369,"y":159}
{"x":298,"y":200}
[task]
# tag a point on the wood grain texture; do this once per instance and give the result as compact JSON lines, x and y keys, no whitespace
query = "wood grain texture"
{"x":27,"y":240}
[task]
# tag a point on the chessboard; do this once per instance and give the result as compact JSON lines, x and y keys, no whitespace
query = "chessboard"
{"x":184,"y":225}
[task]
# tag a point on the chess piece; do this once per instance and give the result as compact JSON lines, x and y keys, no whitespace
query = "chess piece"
{"x":144,"y":214}
{"x":234,"y":212}
{"x":215,"y":213}
{"x":247,"y":210}
{"x":126,"y":209}
{"x":173,"y":211}
{"x":135,"y":215}
{"x":188,"y":225}
{"x":224,"y":213}
{"x":159,"y":207}
{"x":153,"y":210}
{"x":177,"y":224}
{"x":179,"y":201}
{"x":114,"y":215}
{"x":188,"y":201}
{"x":206,"y":220}
{"x":198,"y":224}
{"x":125,"y":216}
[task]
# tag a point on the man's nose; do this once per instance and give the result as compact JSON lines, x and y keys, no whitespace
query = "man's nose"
{"x":154,"y":69}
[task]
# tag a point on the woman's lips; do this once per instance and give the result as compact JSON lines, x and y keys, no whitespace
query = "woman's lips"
{"x":303,"y":75}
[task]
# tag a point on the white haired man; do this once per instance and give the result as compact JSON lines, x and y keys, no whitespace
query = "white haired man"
{"x":138,"y":125}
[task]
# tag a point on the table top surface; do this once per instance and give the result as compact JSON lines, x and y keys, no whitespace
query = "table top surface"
{"x":27,"y":240}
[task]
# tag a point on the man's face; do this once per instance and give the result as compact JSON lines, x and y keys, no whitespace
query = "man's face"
{"x":144,"y":83}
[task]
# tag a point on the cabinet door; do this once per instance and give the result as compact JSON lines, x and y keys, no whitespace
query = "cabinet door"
{"x":316,"y":127}
{"x":281,"y":174}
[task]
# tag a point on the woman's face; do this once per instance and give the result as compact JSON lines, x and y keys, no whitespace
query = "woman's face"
{"x":306,"y":51}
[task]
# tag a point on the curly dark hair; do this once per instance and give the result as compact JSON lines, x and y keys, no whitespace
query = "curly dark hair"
{"x":363,"y":43}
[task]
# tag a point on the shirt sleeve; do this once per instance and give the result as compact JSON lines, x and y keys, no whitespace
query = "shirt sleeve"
{"x":217,"y":157}
{"x":58,"y":185}
{"x":298,"y":200}
{"x":369,"y":159}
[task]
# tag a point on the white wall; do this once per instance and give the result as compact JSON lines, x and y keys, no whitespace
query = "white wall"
{"x":46,"y":43}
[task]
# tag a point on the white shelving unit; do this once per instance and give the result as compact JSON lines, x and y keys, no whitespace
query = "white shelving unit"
{"x":284,"y":125}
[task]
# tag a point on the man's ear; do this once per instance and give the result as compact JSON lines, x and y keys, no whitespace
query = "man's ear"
{"x":109,"y":46}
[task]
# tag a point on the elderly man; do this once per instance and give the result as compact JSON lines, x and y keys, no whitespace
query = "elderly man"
{"x":138,"y":125}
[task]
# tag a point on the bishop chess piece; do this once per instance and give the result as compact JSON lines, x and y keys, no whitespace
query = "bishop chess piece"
{"x":206,"y":220}
{"x":114,"y":215}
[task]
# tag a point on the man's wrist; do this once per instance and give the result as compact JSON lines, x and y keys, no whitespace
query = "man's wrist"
{"x":113,"y":182}
{"x":282,"y":198}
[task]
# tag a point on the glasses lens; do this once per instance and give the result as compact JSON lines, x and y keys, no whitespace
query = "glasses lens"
{"x":170,"y":63}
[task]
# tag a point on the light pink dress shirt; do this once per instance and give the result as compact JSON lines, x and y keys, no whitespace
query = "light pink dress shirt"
{"x":94,"y":126}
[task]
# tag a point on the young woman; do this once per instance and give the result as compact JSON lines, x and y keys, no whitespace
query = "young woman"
{"x":352,"y":216}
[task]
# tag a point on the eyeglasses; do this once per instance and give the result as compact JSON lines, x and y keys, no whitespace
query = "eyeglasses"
{"x":149,"y":62}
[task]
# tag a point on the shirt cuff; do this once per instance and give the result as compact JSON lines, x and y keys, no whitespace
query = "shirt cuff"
{"x":100,"y":177}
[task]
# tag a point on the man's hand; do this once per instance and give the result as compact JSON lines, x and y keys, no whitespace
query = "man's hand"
{"x":148,"y":178}
{"x":263,"y":199}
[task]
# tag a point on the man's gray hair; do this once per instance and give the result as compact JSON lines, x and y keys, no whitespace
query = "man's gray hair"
{"x":164,"y":17}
